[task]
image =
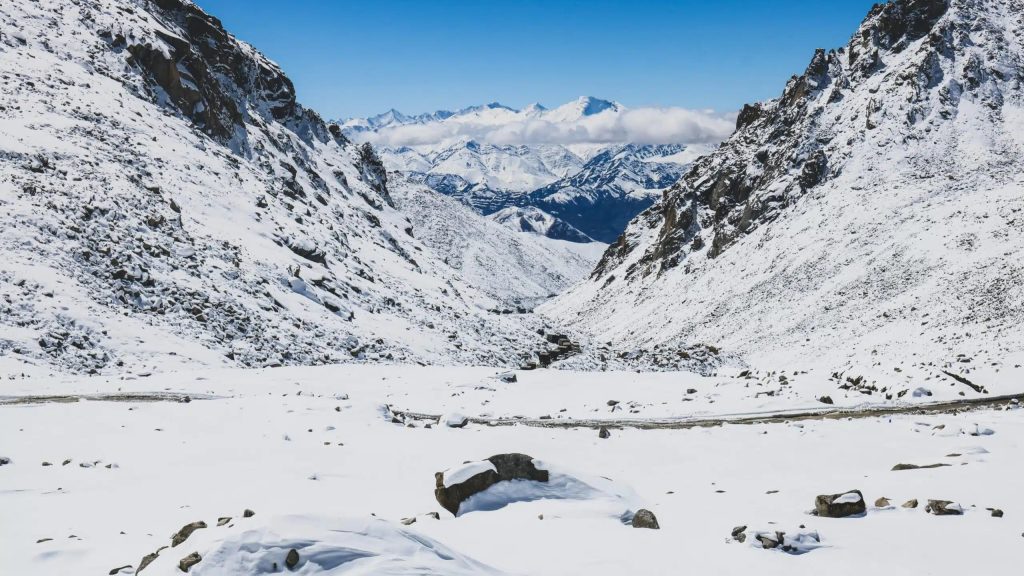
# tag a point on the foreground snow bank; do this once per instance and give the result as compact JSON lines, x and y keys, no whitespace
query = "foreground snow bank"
{"x":331,"y":546}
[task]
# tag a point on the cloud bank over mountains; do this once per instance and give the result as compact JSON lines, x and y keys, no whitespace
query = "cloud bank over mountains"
{"x":584,"y":121}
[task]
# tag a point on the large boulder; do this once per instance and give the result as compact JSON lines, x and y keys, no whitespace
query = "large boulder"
{"x":454,"y":486}
{"x":840,"y":505}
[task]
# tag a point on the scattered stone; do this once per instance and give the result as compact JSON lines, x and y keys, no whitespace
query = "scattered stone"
{"x":826,"y":400}
{"x":882,"y":502}
{"x":248,"y":513}
{"x":4,"y":460}
{"x":613,"y":402}
{"x":119,"y":569}
{"x":409,"y":521}
{"x":508,"y":377}
{"x":47,"y":464}
{"x":645,"y":519}
{"x":189,"y":561}
{"x":604,"y":433}
{"x":41,"y":540}
{"x":768,"y":540}
{"x":739,"y":534}
{"x":900,"y":467}
{"x":292,"y":559}
{"x":223,"y":520}
{"x":997,"y":513}
{"x":506,"y":467}
{"x":186,"y":531}
{"x":840,"y":505}
{"x":944,"y":508}
{"x":912,"y":503}
{"x":66,"y":462}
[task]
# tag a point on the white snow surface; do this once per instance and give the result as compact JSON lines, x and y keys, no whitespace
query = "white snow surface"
{"x":223,"y":453}
{"x":460,"y":474}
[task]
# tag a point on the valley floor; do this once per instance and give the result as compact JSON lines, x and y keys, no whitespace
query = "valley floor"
{"x":323,"y":458}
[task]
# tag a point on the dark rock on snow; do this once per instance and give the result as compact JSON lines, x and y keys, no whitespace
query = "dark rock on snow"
{"x":507,"y":467}
{"x":840,"y":505}
{"x":186,"y":531}
{"x":189,"y":561}
{"x":645,"y":519}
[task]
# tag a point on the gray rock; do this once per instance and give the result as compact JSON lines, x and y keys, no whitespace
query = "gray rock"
{"x":248,"y":513}
{"x":912,"y":503}
{"x":997,"y":513}
{"x":186,"y":531}
{"x":604,"y":433}
{"x":840,"y":505}
{"x":645,"y":519}
{"x":900,"y":467}
{"x":186,"y":563}
{"x":119,"y":569}
{"x":507,"y":467}
{"x":739,"y":533}
{"x":943,"y":508}
{"x":4,"y":461}
{"x":882,"y":502}
{"x":292,"y":559}
{"x":223,"y":520}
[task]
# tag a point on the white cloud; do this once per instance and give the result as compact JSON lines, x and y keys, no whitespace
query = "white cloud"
{"x":637,"y":125}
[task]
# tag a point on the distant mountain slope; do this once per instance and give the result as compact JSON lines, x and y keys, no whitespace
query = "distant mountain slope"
{"x":871,"y":214}
{"x":517,"y":269}
{"x":537,"y":221}
{"x":596,"y":187}
{"x":612,"y":187}
{"x":164,"y":199}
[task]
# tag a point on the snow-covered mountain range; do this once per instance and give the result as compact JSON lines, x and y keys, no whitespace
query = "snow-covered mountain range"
{"x":869,"y":215}
{"x":564,"y":161}
{"x":165,"y":200}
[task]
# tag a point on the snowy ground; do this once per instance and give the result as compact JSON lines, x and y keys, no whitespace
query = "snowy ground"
{"x":314,"y":452}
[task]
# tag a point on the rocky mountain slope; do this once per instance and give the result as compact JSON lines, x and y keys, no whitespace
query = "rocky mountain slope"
{"x":164,"y":199}
{"x":870,"y":216}
{"x":595,"y":187}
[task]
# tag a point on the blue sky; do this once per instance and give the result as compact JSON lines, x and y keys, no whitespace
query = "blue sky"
{"x":360,"y":58}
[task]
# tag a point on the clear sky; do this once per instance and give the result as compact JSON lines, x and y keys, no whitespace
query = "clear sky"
{"x":358,"y":58}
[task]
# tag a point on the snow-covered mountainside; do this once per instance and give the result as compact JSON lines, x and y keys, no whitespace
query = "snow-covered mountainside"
{"x":164,"y":199}
{"x":870,"y":215}
{"x":596,"y":187}
{"x":537,"y":221}
{"x":517,"y":270}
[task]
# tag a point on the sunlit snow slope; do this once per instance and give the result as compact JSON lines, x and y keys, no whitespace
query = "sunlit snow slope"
{"x":164,"y":199}
{"x":872,"y":214}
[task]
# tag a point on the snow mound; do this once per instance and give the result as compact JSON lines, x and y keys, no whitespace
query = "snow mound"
{"x":331,"y":546}
{"x":598,"y":495}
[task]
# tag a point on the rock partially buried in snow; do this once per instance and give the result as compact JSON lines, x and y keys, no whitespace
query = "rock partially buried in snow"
{"x":799,"y":542}
{"x":944,"y":508}
{"x":840,"y":505}
{"x":292,"y":559}
{"x":912,"y":503}
{"x":603,"y":433}
{"x":454,"y":420}
{"x":454,"y":486}
{"x":508,"y":377}
{"x":189,"y":561}
{"x":645,"y":519}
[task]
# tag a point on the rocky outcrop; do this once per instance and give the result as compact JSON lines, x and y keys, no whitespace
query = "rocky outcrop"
{"x":781,"y":149}
{"x":503,"y":467}
{"x":186,"y":531}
